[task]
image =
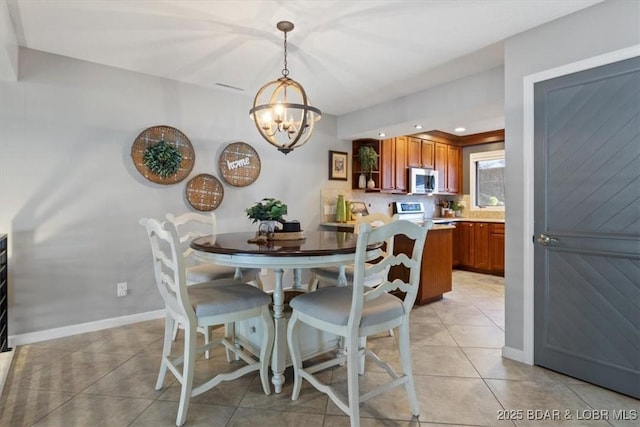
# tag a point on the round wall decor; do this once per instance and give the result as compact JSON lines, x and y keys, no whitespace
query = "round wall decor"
{"x":239,"y":164}
{"x":204,"y":192}
{"x":154,"y":151}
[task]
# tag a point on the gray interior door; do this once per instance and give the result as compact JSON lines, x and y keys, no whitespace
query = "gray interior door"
{"x":587,"y":225}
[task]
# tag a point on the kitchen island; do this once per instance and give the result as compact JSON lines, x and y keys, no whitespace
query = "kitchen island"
{"x":437,"y":261}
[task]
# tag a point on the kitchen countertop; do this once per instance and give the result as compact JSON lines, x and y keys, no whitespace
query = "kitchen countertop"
{"x":351,"y":224}
{"x":455,"y":219}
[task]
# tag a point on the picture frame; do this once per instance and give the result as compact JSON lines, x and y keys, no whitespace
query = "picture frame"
{"x":338,"y":165}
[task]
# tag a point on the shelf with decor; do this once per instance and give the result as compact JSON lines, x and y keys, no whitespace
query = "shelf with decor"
{"x":358,"y":165}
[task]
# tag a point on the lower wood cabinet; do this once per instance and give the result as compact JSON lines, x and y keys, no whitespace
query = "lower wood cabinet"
{"x":496,"y":247}
{"x":435,"y":277}
{"x":479,"y":246}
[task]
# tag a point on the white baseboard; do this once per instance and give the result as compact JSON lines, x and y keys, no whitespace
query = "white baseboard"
{"x":5,"y":363}
{"x":65,"y":331}
{"x":516,"y":354}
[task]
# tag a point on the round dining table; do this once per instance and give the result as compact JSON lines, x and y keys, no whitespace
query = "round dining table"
{"x":316,"y":249}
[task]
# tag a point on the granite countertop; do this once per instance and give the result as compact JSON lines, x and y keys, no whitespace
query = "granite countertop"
{"x":351,"y":224}
{"x":455,"y":219}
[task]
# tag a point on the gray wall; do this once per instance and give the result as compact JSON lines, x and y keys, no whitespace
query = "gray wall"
{"x":70,"y":196}
{"x":466,"y":152}
{"x":603,"y":28}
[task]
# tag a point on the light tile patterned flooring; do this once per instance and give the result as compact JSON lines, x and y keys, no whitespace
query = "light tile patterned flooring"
{"x":107,"y":378}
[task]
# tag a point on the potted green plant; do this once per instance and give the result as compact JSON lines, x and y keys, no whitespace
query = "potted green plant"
{"x":457,"y":207}
{"x":368,"y":162}
{"x":267,"y":210}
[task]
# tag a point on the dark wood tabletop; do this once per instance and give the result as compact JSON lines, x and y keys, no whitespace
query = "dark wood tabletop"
{"x":316,"y":243}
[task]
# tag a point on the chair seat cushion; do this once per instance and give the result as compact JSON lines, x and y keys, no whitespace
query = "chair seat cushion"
{"x":333,"y":272}
{"x":207,"y":272}
{"x":225,"y":296}
{"x":334,"y":304}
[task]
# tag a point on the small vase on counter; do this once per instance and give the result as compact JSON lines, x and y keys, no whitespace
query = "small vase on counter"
{"x":341,"y":209}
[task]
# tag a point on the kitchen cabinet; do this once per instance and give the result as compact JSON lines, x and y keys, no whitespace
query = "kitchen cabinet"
{"x":393,"y":165}
{"x":466,"y":244}
{"x":455,"y":256}
{"x":496,"y":247}
{"x":435,"y":275}
{"x":448,"y":161}
{"x":391,"y":175}
{"x":454,"y":169}
{"x":420,"y":153}
{"x":479,"y":247}
{"x":356,"y":168}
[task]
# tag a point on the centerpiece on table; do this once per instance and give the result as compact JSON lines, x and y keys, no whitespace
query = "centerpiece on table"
{"x":270,"y":212}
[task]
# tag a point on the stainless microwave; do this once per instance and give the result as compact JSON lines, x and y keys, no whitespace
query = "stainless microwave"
{"x":422,"y":181}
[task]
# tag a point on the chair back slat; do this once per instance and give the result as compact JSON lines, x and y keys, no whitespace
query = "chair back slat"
{"x":190,"y":225}
{"x":367,"y":235}
{"x":168,"y":266}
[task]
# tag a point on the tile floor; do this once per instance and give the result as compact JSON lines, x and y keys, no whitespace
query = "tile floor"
{"x":107,"y":378}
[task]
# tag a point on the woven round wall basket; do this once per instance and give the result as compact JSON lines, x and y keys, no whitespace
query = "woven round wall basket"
{"x":204,"y":192}
{"x":174,"y":138}
{"x":239,"y":164}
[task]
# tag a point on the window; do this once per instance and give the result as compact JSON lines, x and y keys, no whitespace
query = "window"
{"x":487,"y":180}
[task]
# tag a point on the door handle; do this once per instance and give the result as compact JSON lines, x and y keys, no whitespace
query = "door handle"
{"x":545,"y":240}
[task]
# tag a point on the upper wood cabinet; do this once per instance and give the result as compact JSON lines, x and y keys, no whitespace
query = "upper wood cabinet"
{"x":401,"y":152}
{"x":393,"y":164}
{"x":420,"y":153}
{"x":454,"y":169}
{"x":448,"y":162}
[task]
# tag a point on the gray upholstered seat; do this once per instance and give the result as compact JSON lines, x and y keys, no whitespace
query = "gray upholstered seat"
{"x":205,"y":272}
{"x":227,"y":296}
{"x":332,"y":305}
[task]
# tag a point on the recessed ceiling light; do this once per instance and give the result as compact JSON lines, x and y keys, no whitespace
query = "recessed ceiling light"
{"x":418,"y":126}
{"x":382,"y":134}
{"x":459,"y":129}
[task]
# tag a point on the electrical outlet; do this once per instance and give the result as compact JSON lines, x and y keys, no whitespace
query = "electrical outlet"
{"x":121,"y":289}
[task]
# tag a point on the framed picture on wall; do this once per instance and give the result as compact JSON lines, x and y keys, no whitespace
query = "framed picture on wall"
{"x":338,"y":162}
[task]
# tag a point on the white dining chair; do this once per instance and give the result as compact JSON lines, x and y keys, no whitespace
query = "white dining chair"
{"x":331,"y":274}
{"x":212,"y":303}
{"x":356,"y":312}
{"x":189,"y":226}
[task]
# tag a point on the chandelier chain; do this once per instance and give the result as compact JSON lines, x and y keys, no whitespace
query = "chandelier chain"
{"x":285,"y":70}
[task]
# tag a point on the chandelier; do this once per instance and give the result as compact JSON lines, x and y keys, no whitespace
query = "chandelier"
{"x":281,"y":110}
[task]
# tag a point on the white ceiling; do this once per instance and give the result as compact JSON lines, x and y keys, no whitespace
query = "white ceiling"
{"x":347,"y":54}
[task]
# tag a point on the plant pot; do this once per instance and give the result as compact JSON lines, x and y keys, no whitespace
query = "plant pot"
{"x":267,"y":227}
{"x":371,"y":184}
